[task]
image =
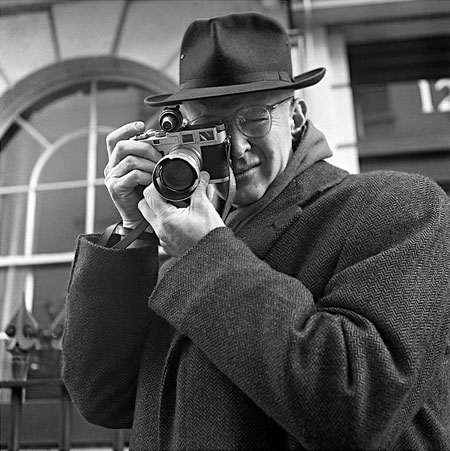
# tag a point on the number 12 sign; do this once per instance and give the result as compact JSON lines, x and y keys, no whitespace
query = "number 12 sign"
{"x":427,"y":90}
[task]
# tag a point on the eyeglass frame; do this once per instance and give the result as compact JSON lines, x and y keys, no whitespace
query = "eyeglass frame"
{"x":234,"y":117}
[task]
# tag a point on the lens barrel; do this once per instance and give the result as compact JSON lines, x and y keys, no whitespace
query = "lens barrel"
{"x":177,"y":174}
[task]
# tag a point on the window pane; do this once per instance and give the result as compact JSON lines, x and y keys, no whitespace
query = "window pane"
{"x":60,"y":218}
{"x":62,"y":115}
{"x":17,"y":158}
{"x":119,"y":105}
{"x":50,"y":286}
{"x":12,"y":223}
{"x":105,"y":212}
{"x":67,"y":163}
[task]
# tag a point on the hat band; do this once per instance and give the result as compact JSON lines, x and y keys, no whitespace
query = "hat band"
{"x":236,"y":80}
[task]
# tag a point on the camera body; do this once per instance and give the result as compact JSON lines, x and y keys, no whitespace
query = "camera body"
{"x":186,"y":152}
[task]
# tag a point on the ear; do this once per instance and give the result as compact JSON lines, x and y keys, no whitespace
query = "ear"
{"x":299,"y":110}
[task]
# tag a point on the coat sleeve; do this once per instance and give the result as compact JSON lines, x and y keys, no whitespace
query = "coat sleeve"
{"x":340,"y":371}
{"x":106,"y":322}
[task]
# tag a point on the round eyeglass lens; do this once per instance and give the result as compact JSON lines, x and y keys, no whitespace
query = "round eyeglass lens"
{"x":254,"y":121}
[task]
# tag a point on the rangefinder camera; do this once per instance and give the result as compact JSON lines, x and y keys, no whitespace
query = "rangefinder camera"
{"x":187,"y":151}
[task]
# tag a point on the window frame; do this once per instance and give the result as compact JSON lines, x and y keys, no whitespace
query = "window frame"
{"x":46,"y":86}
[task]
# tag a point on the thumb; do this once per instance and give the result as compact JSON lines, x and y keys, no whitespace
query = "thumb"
{"x":204,"y":180}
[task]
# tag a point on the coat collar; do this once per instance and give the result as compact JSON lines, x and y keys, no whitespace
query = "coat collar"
{"x":306,"y":176}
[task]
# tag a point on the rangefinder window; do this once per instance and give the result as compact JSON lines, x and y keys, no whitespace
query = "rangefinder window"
{"x":206,"y":135}
{"x":188,"y":138}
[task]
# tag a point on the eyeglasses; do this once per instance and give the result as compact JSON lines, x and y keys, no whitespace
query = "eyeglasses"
{"x":252,"y":121}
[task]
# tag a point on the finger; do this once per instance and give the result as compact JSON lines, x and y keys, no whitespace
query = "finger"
{"x":124,"y":132}
{"x":200,"y":191}
{"x":156,"y":202}
{"x":129,"y":164}
{"x":125,"y":148}
{"x":147,"y":212}
{"x":204,"y":180}
{"x":127,"y":182}
{"x":150,"y":215}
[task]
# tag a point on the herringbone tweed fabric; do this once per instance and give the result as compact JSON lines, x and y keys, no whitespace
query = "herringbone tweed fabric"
{"x":320,"y":323}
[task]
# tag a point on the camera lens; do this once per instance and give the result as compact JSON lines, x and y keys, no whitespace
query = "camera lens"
{"x":178,"y":175}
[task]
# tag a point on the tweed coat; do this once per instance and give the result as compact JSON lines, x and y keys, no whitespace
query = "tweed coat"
{"x":320,"y":322}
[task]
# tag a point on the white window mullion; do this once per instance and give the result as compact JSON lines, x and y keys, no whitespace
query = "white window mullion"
{"x":91,"y":160}
{"x":30,"y":221}
{"x":31,"y":205}
{"x":12,"y":261}
{"x":33,"y":132}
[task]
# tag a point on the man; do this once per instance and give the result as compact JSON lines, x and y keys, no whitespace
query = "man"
{"x":314,"y":315}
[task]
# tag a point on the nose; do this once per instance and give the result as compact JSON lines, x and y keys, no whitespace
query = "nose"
{"x":239,"y":142}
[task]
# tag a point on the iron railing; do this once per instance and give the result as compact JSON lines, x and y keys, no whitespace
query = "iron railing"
{"x":68,"y":417}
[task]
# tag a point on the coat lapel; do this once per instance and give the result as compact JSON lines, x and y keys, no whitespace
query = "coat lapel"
{"x":307,"y":175}
{"x":264,"y":229}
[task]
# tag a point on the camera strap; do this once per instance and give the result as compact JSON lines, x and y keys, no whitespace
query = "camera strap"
{"x":231,"y":182}
{"x":110,"y":239}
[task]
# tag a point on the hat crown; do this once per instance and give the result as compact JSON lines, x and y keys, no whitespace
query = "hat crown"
{"x":233,"y":49}
{"x":235,"y":54}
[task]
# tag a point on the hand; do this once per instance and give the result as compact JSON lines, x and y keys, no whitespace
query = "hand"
{"x":179,"y":229}
{"x":129,"y":170}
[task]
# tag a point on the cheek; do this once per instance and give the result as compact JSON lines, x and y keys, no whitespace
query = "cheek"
{"x":277,"y":153}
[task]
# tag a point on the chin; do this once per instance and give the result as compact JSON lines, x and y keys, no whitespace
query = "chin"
{"x":246,"y":198}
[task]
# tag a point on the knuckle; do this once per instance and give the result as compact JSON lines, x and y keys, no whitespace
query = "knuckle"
{"x":106,"y":171}
{"x":106,"y":181}
{"x":109,"y":140}
{"x":130,"y":163}
{"x":109,"y":183}
{"x":147,"y":193}
{"x":120,"y":148}
{"x":134,"y":176}
{"x":142,"y":204}
{"x":149,"y":189}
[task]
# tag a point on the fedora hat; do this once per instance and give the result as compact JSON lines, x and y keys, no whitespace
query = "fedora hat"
{"x":234,"y":54}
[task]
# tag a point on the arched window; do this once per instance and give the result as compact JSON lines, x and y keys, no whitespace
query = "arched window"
{"x":53,"y":130}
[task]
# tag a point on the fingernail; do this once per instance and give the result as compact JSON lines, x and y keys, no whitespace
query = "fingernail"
{"x":139,"y":125}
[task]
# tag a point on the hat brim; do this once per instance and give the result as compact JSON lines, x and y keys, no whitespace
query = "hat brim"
{"x":187,"y":94}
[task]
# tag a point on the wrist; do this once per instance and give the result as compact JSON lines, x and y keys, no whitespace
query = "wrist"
{"x":128,"y":224}
{"x":131,"y":219}
{"x":146,"y":235}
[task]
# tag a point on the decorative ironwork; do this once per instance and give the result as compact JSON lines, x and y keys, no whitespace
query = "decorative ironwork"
{"x":22,"y":331}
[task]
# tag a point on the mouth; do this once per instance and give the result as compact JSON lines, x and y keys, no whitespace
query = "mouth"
{"x":245,"y":172}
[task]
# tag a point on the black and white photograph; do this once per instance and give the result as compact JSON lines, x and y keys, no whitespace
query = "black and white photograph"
{"x":225,"y":225}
